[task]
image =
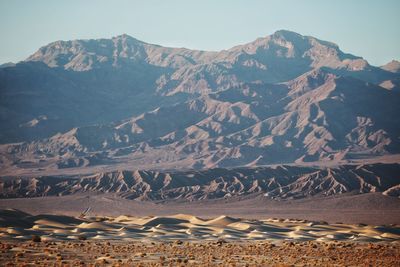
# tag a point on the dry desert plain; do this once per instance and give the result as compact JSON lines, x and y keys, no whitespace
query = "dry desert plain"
{"x":250,"y":236}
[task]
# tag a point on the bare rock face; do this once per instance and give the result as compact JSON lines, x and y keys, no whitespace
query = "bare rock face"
{"x":392,"y":66}
{"x":392,"y":84}
{"x":281,"y":182}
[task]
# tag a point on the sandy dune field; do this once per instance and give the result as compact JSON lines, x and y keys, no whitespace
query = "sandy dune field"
{"x":183,"y":240}
{"x":21,"y":226}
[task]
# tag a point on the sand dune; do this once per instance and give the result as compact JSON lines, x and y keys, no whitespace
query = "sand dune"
{"x":187,"y":240}
{"x":186,"y":227}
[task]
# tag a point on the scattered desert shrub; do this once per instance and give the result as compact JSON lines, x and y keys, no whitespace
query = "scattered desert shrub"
{"x":36,"y":238}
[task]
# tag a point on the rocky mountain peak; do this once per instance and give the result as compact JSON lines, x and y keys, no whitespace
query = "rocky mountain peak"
{"x":392,"y":66}
{"x":84,"y":55}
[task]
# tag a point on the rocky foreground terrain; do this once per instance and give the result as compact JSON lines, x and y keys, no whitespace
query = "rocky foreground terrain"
{"x":255,"y":253}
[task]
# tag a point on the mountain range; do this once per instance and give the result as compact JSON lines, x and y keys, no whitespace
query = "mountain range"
{"x":280,"y":182}
{"x":122,"y":103}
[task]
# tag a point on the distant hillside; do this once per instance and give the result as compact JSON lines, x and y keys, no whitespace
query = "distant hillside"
{"x":280,"y":182}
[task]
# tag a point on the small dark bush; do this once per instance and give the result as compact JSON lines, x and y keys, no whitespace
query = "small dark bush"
{"x":36,"y":238}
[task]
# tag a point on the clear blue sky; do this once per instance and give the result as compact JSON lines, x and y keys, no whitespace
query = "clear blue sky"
{"x":367,"y":28}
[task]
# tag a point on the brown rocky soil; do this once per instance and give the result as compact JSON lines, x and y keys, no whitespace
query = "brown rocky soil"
{"x":205,"y":253}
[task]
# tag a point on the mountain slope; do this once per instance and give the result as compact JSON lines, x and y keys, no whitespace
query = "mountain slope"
{"x":392,"y":66}
{"x":393,"y":83}
{"x":69,"y":84}
{"x":284,"y":98}
{"x":319,"y":116}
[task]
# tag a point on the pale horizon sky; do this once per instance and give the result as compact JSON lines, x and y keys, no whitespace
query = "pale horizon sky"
{"x":366,"y":28}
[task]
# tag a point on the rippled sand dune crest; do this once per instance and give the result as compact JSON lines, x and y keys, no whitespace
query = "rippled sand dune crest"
{"x":22,"y":226}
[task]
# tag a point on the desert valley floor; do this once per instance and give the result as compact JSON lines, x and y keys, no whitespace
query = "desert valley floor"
{"x":186,"y":240}
{"x":255,"y":231}
{"x":372,"y":208}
